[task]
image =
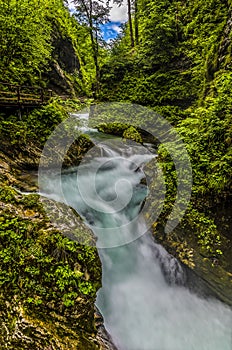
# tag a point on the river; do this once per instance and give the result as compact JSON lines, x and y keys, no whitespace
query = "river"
{"x":143,"y":298}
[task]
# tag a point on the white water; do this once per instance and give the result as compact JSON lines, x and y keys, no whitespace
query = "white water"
{"x":141,"y":310}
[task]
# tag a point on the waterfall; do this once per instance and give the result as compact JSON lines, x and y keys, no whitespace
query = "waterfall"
{"x":143,"y":298}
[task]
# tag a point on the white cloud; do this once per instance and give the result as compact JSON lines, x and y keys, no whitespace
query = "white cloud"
{"x":117,"y":14}
{"x":116,"y":28}
{"x":71,"y":5}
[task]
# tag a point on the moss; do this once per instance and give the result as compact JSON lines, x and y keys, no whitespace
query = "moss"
{"x":51,"y":280}
{"x":184,"y":253}
{"x":205,"y":231}
{"x":37,"y":333}
{"x":8,"y":194}
{"x":123,"y":130}
{"x":35,"y":264}
{"x":48,"y":280}
{"x":132,"y":134}
{"x":113,"y":128}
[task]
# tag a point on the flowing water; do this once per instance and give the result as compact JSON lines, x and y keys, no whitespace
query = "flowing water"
{"x":143,"y":300}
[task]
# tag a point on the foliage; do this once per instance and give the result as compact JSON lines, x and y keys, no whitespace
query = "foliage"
{"x":132,"y":134}
{"x":180,"y":66}
{"x":33,"y":128}
{"x":41,"y":122}
{"x":91,"y":14}
{"x":177,"y":69}
{"x":119,"y":129}
{"x":175,"y":58}
{"x":113,"y":128}
{"x":39,"y":265}
{"x":207,"y":134}
{"x":31,"y":34}
{"x":158,"y":31}
{"x":24,"y":45}
{"x":205,"y":231}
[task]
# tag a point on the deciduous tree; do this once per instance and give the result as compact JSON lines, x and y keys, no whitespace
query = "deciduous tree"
{"x":24,"y":38}
{"x":93,"y":13}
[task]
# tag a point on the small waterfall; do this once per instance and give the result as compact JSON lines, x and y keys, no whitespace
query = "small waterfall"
{"x":143,"y":299}
{"x":170,"y":266}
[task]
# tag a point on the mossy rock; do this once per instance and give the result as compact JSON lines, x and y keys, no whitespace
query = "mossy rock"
{"x":132,"y":134}
{"x":116,"y":129}
{"x":123,"y":130}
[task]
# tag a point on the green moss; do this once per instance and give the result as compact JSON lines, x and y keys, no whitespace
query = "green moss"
{"x":205,"y":232}
{"x":8,"y":194}
{"x":120,"y":129}
{"x":37,"y":263}
{"x":112,"y":128}
{"x":31,"y":201}
{"x":132,"y":134}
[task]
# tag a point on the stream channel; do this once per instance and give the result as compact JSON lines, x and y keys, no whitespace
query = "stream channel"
{"x":143,"y":299}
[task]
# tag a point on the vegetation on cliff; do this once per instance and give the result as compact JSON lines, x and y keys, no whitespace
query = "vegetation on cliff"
{"x":42,"y":44}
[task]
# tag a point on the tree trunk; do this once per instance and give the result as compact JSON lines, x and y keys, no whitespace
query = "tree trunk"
{"x":94,"y":44}
{"x":136,"y":23}
{"x":130,"y":23}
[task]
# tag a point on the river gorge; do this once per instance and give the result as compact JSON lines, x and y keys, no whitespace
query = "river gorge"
{"x":144,"y":298}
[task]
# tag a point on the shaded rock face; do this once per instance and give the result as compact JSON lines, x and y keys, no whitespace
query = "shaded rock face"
{"x":64,"y":53}
{"x":20,"y":331}
{"x":205,"y":275}
{"x":64,"y":60}
{"x":203,"y":247}
{"x":58,"y":82}
{"x":103,"y":336}
{"x":28,"y":156}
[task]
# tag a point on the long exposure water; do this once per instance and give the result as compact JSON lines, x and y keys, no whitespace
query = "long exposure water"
{"x":143,"y":300}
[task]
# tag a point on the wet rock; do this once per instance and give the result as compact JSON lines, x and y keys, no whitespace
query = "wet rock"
{"x":203,"y":275}
{"x":103,"y":336}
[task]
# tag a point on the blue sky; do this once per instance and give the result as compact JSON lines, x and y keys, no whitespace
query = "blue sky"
{"x":110,"y":30}
{"x":118,"y":15}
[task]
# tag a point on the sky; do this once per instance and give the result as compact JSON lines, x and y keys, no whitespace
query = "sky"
{"x":118,"y":15}
{"x":110,"y":30}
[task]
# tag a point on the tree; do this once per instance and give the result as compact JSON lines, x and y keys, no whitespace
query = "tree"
{"x":24,"y":39}
{"x":93,"y":13}
{"x":136,"y":23}
{"x":158,"y":31}
{"x":129,"y":7}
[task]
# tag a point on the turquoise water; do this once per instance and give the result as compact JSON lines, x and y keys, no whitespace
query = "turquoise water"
{"x":143,"y":300}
